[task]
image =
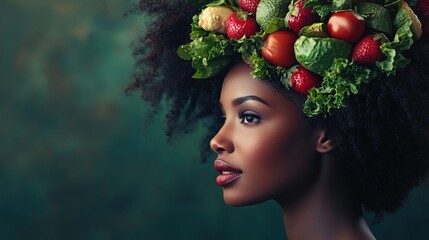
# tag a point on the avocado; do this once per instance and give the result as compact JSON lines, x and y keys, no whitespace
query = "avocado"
{"x":269,"y":9}
{"x":376,"y":17}
{"x":405,"y":14}
{"x":317,"y":54}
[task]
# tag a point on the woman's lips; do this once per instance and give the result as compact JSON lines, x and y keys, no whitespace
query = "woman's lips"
{"x":227,"y":173}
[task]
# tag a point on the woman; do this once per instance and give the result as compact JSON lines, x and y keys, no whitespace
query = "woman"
{"x":321,"y":170}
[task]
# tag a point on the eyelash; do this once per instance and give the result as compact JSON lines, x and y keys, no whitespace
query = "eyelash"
{"x":247,"y":117}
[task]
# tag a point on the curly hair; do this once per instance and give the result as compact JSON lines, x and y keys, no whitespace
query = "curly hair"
{"x":383,"y":134}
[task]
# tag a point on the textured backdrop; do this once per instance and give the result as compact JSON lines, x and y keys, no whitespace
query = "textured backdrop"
{"x":78,"y":160}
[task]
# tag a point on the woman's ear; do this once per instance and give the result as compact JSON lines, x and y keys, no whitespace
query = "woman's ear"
{"x":323,"y":143}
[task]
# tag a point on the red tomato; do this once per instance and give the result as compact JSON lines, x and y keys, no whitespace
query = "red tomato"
{"x":347,"y":26}
{"x":278,"y":48}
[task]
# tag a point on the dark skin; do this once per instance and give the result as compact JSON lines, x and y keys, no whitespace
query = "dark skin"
{"x":283,"y":159}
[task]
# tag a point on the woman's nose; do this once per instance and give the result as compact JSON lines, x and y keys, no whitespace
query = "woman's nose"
{"x":222,"y":142}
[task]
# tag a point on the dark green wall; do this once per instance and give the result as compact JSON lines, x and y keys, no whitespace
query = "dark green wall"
{"x":76,"y":160}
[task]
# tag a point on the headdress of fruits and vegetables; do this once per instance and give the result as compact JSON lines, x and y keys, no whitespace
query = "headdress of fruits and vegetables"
{"x":325,"y":49}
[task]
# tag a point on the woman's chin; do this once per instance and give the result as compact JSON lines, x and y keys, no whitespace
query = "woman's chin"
{"x":236,"y":200}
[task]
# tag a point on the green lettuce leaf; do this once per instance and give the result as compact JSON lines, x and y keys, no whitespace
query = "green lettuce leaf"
{"x":264,"y":70}
{"x":324,"y":8}
{"x":393,"y":50}
{"x":275,"y":25}
{"x":209,"y":54}
{"x":197,"y":31}
{"x":246,"y":46}
{"x":340,"y":81}
{"x":216,"y":3}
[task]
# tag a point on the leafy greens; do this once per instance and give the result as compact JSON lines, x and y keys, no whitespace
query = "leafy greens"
{"x":210,"y":52}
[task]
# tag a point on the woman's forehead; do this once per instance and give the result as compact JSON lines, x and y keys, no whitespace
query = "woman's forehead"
{"x":239,"y":82}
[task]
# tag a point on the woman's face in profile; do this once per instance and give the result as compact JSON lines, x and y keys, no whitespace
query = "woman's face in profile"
{"x":264,"y":149}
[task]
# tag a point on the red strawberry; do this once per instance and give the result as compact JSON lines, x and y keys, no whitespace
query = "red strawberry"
{"x":367,"y":51}
{"x":300,"y":17}
{"x":238,"y":26}
{"x":423,"y":9}
{"x":249,"y":6}
{"x":303,"y":80}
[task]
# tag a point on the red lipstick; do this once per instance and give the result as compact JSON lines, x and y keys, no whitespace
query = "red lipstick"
{"x":227,"y":175}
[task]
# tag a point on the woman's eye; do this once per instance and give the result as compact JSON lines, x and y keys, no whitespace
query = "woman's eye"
{"x":249,"y":118}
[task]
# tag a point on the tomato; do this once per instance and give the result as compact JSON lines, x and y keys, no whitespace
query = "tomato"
{"x":347,"y":26}
{"x":278,"y":48}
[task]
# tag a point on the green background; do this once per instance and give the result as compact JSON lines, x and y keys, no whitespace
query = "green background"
{"x":78,"y":160}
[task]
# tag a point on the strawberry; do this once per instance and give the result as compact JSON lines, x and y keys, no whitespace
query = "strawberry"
{"x":249,"y":6}
{"x":239,"y":25}
{"x":367,"y":51}
{"x":423,"y":10}
{"x":303,"y":80}
{"x":300,"y":17}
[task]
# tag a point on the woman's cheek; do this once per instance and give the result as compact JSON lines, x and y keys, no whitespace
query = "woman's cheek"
{"x":253,"y":150}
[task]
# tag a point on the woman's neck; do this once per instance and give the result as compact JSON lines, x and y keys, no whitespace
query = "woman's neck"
{"x":326,"y":211}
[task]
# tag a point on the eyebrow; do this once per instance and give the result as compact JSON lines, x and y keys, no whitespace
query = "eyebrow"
{"x":241,"y":100}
